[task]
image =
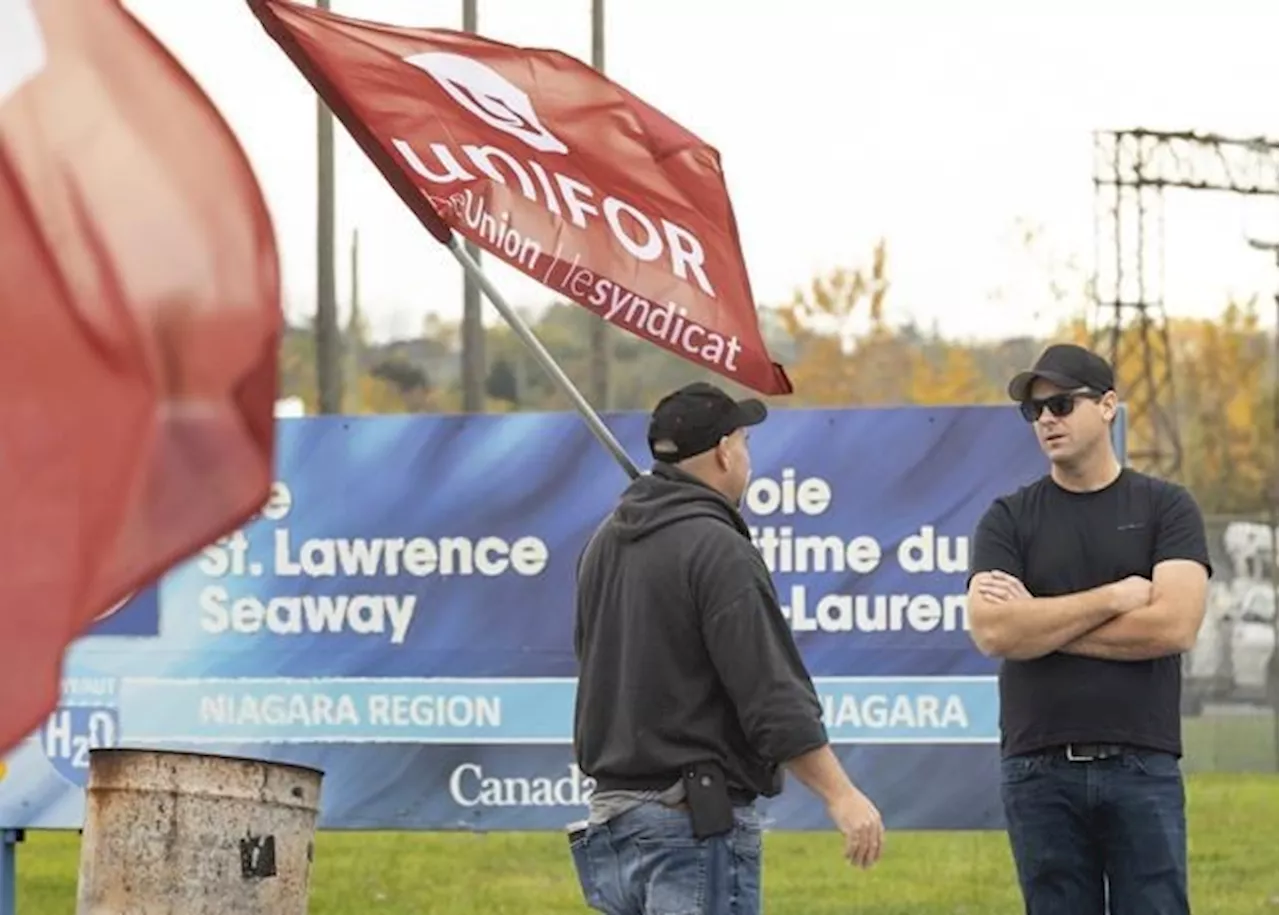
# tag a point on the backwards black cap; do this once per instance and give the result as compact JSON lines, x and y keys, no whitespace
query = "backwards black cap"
{"x":694,"y":418}
{"x":1068,"y":366}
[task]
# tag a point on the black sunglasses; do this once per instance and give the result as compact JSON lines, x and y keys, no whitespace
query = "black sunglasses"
{"x":1059,"y":405}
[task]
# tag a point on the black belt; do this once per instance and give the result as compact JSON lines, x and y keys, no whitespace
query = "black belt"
{"x":1087,"y":752}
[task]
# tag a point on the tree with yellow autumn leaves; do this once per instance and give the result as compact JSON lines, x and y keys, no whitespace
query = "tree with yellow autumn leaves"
{"x":848,"y":353}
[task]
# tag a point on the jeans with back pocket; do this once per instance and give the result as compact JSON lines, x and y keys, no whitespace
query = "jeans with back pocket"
{"x":648,"y":862}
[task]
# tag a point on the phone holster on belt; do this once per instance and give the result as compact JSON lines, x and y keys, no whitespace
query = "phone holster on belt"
{"x":707,"y":794}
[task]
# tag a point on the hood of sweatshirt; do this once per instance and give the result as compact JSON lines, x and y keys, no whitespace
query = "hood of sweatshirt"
{"x":665,"y":496}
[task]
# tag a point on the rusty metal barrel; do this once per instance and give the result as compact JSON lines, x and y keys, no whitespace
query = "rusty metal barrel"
{"x":172,"y":833}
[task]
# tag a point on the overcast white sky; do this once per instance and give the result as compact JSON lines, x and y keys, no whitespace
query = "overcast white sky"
{"x":837,"y":120}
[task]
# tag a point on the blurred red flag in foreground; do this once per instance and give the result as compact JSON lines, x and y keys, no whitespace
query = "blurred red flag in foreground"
{"x":549,"y":166}
{"x":139,"y":322}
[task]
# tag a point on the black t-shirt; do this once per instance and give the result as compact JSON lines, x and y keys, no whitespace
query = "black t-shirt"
{"x":1060,"y":542}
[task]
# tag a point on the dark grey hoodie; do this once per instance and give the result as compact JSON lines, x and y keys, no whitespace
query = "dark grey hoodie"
{"x":683,"y":652}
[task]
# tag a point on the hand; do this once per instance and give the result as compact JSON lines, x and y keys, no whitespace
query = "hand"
{"x":1130,"y":594}
{"x":1000,"y":586}
{"x":859,"y":822}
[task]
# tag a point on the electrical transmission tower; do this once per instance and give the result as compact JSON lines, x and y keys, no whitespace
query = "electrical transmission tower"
{"x":1132,"y":170}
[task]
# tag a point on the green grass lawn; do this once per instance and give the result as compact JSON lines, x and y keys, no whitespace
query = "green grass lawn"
{"x":1233,"y":871}
{"x":1229,"y":743}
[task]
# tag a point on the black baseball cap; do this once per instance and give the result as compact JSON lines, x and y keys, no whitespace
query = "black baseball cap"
{"x":693,"y":419}
{"x":1068,"y":366}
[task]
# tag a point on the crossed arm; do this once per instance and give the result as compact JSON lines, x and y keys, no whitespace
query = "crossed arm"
{"x":1117,"y":621}
{"x":1169,"y":624}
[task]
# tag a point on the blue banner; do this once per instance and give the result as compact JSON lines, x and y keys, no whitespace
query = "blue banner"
{"x":400,"y":616}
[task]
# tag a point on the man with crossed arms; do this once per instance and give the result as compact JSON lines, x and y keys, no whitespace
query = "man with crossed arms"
{"x":1089,"y":583}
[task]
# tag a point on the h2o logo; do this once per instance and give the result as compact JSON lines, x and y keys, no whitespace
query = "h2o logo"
{"x":489,"y":96}
{"x":70,"y":733}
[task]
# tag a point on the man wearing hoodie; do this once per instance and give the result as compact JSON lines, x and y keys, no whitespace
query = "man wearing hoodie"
{"x":692,"y":697}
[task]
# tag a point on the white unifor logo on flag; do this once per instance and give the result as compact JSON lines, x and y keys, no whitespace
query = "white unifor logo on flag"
{"x":22,"y":53}
{"x":489,"y":96}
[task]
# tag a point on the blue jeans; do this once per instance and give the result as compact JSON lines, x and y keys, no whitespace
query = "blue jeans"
{"x":647,"y":862}
{"x":1086,"y":835}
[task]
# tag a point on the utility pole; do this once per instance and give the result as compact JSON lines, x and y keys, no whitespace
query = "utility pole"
{"x":328,"y":341}
{"x":473,"y":374}
{"x":1274,"y":501}
{"x":355,"y":330}
{"x":600,"y":341}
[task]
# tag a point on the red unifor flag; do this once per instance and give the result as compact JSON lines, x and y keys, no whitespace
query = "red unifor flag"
{"x":139,"y":324}
{"x":549,"y":166}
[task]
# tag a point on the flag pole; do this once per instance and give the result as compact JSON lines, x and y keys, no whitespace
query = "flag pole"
{"x":594,"y":422}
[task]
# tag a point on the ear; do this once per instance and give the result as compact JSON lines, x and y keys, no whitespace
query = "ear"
{"x":723,"y":458}
{"x":1110,"y":404}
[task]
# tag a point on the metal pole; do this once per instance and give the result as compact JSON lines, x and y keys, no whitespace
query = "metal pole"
{"x":600,"y":339}
{"x":473,"y":359}
{"x":355,"y":330}
{"x":9,"y":839}
{"x":1275,"y":522}
{"x":328,"y":343}
{"x":597,"y":426}
{"x":597,"y":34}
{"x":1274,"y":502}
